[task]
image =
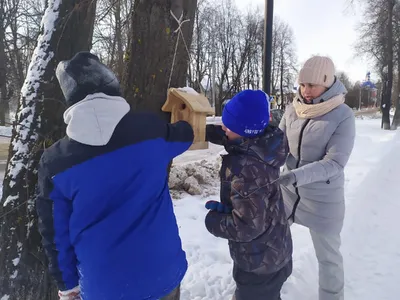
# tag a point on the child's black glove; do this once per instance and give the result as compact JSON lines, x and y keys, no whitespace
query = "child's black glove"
{"x":215,"y":134}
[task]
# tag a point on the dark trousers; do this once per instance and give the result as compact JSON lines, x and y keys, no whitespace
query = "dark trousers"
{"x":174,"y":295}
{"x":251,"y":286}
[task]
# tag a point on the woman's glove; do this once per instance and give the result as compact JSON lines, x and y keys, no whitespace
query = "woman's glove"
{"x":287,"y":179}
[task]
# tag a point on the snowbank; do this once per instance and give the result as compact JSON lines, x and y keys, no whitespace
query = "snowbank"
{"x":6,"y":131}
{"x":196,"y":178}
{"x":214,"y":120}
{"x":373,"y":116}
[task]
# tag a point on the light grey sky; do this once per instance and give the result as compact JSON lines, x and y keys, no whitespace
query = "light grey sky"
{"x":325,"y":27}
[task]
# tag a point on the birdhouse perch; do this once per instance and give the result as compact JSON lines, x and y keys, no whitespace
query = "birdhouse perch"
{"x":192,"y":108}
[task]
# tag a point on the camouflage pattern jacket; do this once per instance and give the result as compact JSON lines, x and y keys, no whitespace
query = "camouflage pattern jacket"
{"x":257,"y":229}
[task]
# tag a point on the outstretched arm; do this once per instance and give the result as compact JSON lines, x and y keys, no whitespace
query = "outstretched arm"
{"x":179,"y":138}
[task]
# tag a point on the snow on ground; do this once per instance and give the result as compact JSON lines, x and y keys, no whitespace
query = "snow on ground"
{"x":5,"y":131}
{"x":371,"y":246}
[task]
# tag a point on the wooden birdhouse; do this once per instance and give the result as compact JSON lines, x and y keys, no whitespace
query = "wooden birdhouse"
{"x":194,"y":108}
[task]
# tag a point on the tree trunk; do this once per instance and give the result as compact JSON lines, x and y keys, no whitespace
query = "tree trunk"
{"x":18,"y":66}
{"x":3,"y":68}
{"x":396,"y":118}
{"x":23,"y":266}
{"x":386,"y":102}
{"x":4,"y":106}
{"x":282,"y":106}
{"x":151,"y":52}
{"x":118,"y":37}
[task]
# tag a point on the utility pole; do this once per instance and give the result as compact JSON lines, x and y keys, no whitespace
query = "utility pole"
{"x":268,"y":25}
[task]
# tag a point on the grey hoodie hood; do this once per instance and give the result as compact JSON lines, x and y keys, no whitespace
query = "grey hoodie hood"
{"x":92,"y":121}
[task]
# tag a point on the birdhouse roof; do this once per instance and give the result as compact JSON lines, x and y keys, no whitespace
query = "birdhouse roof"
{"x":197,"y":103}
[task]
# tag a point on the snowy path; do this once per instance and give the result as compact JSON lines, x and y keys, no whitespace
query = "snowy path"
{"x":371,"y":245}
{"x":371,"y":240}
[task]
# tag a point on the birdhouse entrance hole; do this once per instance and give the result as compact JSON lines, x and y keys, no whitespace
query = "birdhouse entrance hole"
{"x":193,"y":108}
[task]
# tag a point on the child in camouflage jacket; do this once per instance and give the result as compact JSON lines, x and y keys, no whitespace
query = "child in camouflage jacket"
{"x":251,"y":214}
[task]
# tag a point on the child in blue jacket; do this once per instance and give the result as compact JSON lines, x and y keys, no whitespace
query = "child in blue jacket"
{"x":105,"y":212}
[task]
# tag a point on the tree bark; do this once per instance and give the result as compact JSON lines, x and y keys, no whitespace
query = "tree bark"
{"x":18,"y":65}
{"x":386,"y":101}
{"x":396,"y":118}
{"x":151,"y":52}
{"x":118,"y":37}
{"x":66,"y":29}
{"x":4,"y":108}
{"x":282,"y":106}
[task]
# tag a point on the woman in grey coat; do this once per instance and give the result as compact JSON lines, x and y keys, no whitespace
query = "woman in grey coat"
{"x":320,"y":130}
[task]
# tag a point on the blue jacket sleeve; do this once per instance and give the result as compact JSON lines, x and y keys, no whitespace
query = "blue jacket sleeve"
{"x":179,"y":138}
{"x":54,"y":212}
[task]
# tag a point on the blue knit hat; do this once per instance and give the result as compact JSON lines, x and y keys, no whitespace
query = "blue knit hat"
{"x":247,"y":113}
